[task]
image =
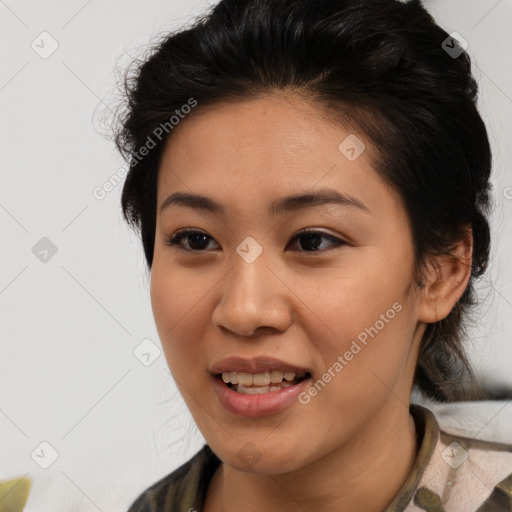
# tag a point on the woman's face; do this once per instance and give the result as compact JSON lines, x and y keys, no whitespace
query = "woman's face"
{"x":334,"y":304}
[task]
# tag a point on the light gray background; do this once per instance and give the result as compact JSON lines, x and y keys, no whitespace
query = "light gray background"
{"x":69,"y":326}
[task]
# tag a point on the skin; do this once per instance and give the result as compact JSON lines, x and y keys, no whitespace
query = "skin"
{"x":295,"y":303}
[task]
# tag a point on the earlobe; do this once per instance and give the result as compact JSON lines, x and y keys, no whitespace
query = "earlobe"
{"x":446,"y":280}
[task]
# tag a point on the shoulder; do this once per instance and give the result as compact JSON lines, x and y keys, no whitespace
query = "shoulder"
{"x":183,"y":489}
{"x":470,"y":464}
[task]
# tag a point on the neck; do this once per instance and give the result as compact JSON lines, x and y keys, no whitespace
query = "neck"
{"x":380,"y":457}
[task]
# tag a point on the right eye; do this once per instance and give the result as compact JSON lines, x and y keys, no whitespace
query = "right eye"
{"x":195,"y":238}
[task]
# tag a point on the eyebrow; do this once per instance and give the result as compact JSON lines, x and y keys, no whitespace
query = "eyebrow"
{"x":278,"y":207}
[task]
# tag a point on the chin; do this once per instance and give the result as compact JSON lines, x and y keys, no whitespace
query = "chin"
{"x":250,"y":459}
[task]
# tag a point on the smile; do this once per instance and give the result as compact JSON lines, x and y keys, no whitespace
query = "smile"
{"x":259,"y":383}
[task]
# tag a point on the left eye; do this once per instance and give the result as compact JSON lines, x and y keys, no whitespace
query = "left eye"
{"x":197,"y":240}
{"x":312,"y":239}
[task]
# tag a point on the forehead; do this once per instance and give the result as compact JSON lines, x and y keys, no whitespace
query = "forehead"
{"x":281,"y":123}
{"x":261,"y":149}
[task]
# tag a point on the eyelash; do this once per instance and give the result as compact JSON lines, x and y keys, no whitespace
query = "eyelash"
{"x":178,"y":236}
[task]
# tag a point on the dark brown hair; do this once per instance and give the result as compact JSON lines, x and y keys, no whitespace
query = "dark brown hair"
{"x":383,"y":65}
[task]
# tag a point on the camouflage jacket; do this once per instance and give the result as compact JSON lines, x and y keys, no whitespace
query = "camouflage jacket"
{"x":451,"y":474}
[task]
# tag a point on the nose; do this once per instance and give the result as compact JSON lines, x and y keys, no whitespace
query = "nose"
{"x":253,"y":297}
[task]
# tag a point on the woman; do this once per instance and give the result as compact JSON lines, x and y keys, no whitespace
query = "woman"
{"x":265,"y":127}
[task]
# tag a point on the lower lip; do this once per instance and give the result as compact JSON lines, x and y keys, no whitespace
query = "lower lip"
{"x":261,"y":404}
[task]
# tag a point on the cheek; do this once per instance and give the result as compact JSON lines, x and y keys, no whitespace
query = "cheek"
{"x":177,"y":300}
{"x":352,"y":297}
{"x":371,"y":323}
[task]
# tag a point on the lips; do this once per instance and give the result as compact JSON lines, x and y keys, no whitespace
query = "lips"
{"x":257,"y":404}
{"x":259,"y":364}
{"x":257,"y":399}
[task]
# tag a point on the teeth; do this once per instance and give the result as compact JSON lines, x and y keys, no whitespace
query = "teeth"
{"x":256,"y":390}
{"x":261,"y":379}
{"x":258,"y":379}
{"x":245,"y":379}
{"x":257,"y":383}
{"x":276,"y":376}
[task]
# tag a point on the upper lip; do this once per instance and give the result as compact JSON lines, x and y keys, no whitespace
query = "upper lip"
{"x":260,"y":364}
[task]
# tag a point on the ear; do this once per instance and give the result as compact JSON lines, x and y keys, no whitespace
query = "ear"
{"x":446,"y":279}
